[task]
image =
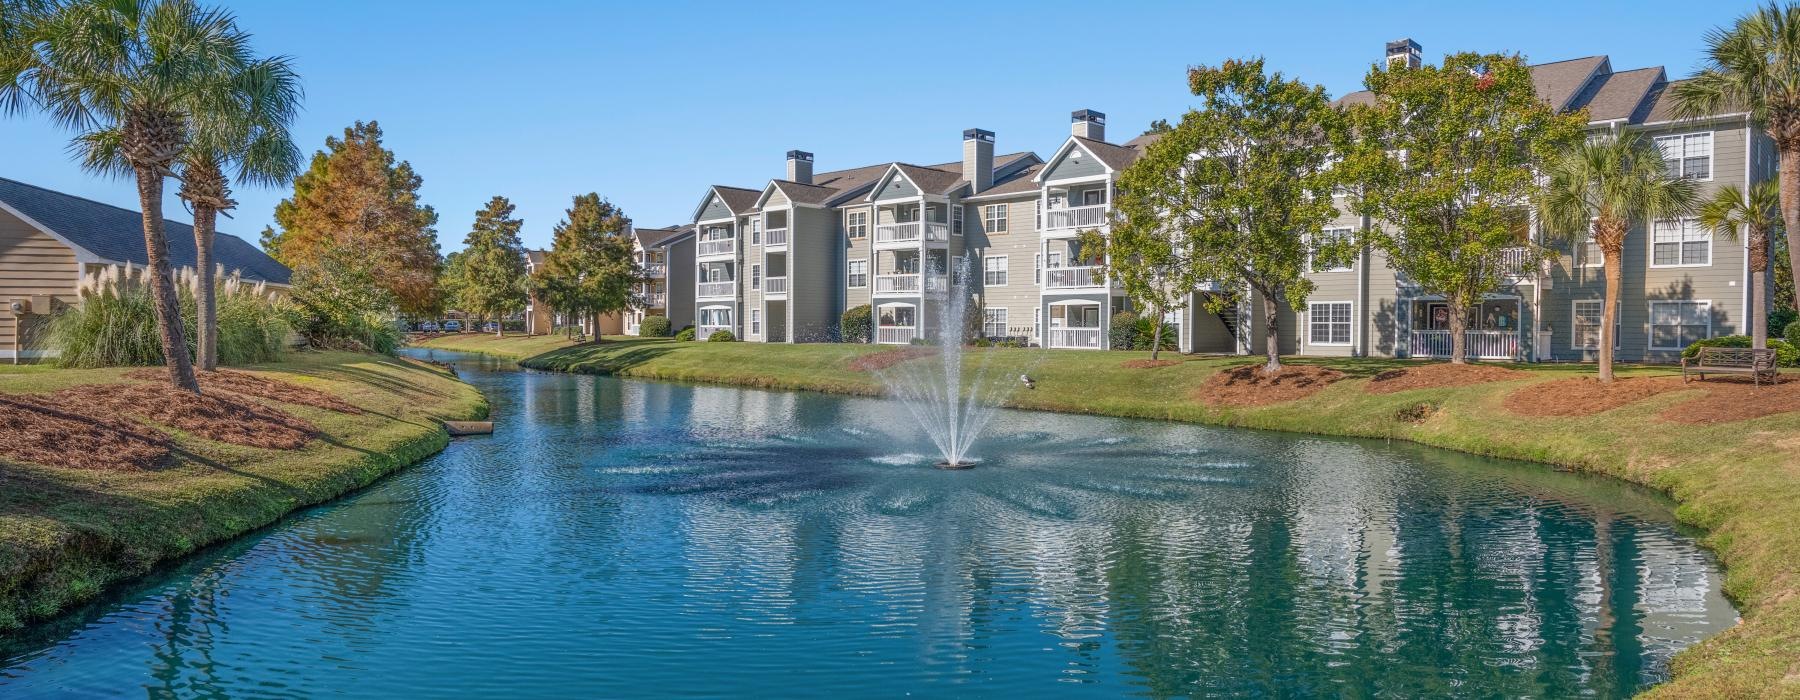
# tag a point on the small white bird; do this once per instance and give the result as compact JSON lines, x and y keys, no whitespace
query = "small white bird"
{"x":1026,"y":380}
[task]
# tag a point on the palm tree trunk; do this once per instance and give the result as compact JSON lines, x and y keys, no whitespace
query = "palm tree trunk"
{"x":1759,"y":310}
{"x":1272,"y":335}
{"x":162,"y":283}
{"x":1790,"y":208}
{"x":1612,"y":257}
{"x":205,"y":298}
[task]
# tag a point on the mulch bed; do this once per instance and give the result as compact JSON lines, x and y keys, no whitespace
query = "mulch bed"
{"x":1730,"y":399}
{"x":1148,"y":364}
{"x":877,"y":361}
{"x":259,"y":387}
{"x":1441,"y":375}
{"x":39,"y":429}
{"x":1249,"y":386}
{"x":1585,"y":396}
{"x":221,"y":416}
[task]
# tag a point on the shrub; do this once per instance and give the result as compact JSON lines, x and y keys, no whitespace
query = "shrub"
{"x":654,"y":327}
{"x":686,"y":334}
{"x":721,"y":336}
{"x":1786,"y":354}
{"x":1793,"y":334}
{"x":855,"y":325}
{"x":983,"y":343}
{"x":1124,"y":330}
{"x":115,"y":324}
{"x":1781,"y":318}
{"x":337,"y":305}
{"x":1146,"y":331}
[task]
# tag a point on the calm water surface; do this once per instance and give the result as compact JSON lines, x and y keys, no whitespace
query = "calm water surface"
{"x":622,"y":538}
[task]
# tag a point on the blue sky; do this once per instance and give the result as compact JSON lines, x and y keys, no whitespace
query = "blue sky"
{"x":648,"y":103}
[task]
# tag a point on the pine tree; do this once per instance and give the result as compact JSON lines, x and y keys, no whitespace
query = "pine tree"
{"x":590,"y":270}
{"x":493,"y":282}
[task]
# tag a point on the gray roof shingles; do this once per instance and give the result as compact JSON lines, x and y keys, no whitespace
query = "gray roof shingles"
{"x":116,"y":234}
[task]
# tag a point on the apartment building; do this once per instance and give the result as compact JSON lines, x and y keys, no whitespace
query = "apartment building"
{"x":666,"y":257}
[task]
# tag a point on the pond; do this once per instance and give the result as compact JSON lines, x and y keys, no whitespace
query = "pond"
{"x":620,"y":538}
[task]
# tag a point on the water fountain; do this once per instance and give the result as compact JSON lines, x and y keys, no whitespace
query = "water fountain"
{"x":933,"y":388}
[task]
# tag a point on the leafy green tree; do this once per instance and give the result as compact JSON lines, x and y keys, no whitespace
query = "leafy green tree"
{"x":1758,"y":214}
{"x":1226,"y":194}
{"x":1445,"y":156}
{"x":129,"y":76}
{"x":1603,"y":187}
{"x":494,"y":282}
{"x":590,"y":270}
{"x":1154,"y":263}
{"x":1751,"y":67}
{"x":354,"y":194}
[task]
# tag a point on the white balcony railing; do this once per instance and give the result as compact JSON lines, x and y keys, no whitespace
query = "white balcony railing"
{"x":775,"y":285}
{"x":908,"y":232}
{"x":1084,"y":338}
{"x":895,"y":335}
{"x":1483,"y":345}
{"x":717,"y":289}
{"x":775,"y":237}
{"x":1090,"y":216}
{"x":1071,"y":277}
{"x":1516,"y":262}
{"x":936,"y":232}
{"x":911,"y":284}
{"x":723,"y":246}
{"x":656,"y":270}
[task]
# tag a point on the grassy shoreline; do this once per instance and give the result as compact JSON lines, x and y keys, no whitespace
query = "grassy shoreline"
{"x":67,"y":534}
{"x":1739,"y":481}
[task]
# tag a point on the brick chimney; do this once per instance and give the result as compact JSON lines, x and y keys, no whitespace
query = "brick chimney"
{"x":1088,"y":124}
{"x":799,"y":167}
{"x":1405,"y":51}
{"x":978,"y":158}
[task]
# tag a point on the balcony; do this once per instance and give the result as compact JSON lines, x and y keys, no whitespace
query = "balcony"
{"x":656,"y":270}
{"x":1077,"y":338}
{"x":721,"y":246}
{"x":775,"y":238}
{"x":1516,"y":262}
{"x":654,"y":300}
{"x":908,"y":284}
{"x":1091,"y":216}
{"x":895,"y":335}
{"x":717,"y":289}
{"x":1481,"y":345}
{"x":775,"y":286}
{"x":1073,"y":277}
{"x":908,"y":232}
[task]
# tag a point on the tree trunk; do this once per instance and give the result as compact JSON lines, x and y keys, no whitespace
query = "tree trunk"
{"x":162,"y":282}
{"x":1459,"y":325}
{"x":206,"y":300}
{"x":1790,"y":207}
{"x":1612,"y":256}
{"x":596,"y":333}
{"x":1759,"y":293}
{"x":1156,"y":336}
{"x":1272,"y":334}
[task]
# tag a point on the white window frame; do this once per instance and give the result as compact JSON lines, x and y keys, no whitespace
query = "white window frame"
{"x":756,"y":226}
{"x":856,"y":224}
{"x":1575,"y":313}
{"x":756,"y":278}
{"x":1681,"y":141}
{"x":1582,"y":246}
{"x":856,"y":276}
{"x":1651,"y":323}
{"x":1099,"y":197}
{"x":987,"y":271}
{"x":1681,"y":243}
{"x":716,"y":311}
{"x":756,"y":322}
{"x":956,"y":220}
{"x":988,"y":321}
{"x":1349,"y":324}
{"x":1312,"y":249}
{"x":1037,"y":268}
{"x":993,"y":218}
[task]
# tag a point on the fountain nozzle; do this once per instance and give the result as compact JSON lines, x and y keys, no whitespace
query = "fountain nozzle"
{"x":969,"y":464}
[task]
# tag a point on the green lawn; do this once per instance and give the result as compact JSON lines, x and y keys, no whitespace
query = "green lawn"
{"x":67,"y":533}
{"x":1739,"y":480}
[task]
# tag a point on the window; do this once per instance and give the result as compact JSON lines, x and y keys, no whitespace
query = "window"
{"x":756,"y":322}
{"x":856,"y":224}
{"x":1587,"y":252}
{"x":956,"y":218}
{"x":1040,"y":215}
{"x":993,"y":218}
{"x":1687,"y":156}
{"x":756,"y":231}
{"x":1679,"y":243}
{"x":993,"y":271}
{"x":993,"y":323}
{"x":1092,"y":197}
{"x":1585,"y":324}
{"x":959,"y":270}
{"x":1037,"y":322}
{"x":1674,"y":325}
{"x":1037,"y":268}
{"x":859,"y":273}
{"x":756,"y":277}
{"x":1330,"y":323}
{"x":715,"y":316}
{"x":1317,"y":260}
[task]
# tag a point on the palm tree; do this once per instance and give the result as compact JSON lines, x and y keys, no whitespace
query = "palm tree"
{"x":129,"y":76}
{"x":1758,"y":213}
{"x":1602,"y":188}
{"x":1755,"y":67}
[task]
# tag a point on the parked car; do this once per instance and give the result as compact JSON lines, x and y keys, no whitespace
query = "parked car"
{"x":428,"y":327}
{"x":453,"y":326}
{"x":490,"y":327}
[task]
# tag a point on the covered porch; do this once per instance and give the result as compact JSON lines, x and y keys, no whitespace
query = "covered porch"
{"x":1075,"y":324}
{"x":1494,"y":329}
{"x":897,"y":323}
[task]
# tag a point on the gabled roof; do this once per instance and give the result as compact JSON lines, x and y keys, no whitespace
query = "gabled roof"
{"x":1017,"y":182}
{"x":1559,"y":82}
{"x":651,"y":237}
{"x":1619,"y":96}
{"x":739,"y":200}
{"x":116,"y":234}
{"x":1113,"y":156}
{"x":932,"y":180}
{"x":795,"y":192}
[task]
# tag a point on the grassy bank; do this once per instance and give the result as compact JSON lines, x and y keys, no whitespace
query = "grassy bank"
{"x":67,"y":533}
{"x":1740,"y":480}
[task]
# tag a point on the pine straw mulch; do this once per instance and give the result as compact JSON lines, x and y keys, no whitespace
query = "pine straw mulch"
{"x":1439,"y":375}
{"x":1247,"y":385}
{"x":1585,"y":396}
{"x":877,"y":361}
{"x":1148,"y":364}
{"x":258,"y":387}
{"x":39,"y":429}
{"x":1730,"y":399}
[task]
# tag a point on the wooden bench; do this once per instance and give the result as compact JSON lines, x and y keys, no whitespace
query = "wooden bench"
{"x":1759,"y":364}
